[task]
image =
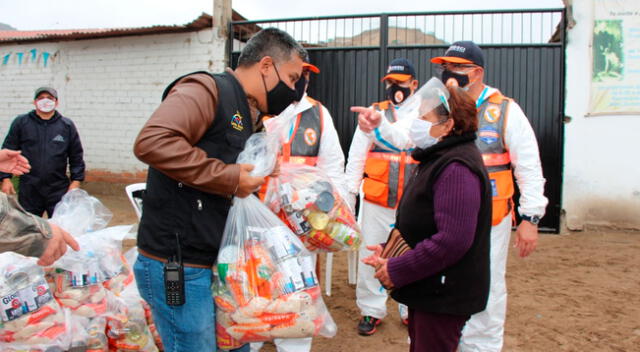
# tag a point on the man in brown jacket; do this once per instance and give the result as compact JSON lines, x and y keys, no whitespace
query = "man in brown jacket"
{"x":191,"y":143}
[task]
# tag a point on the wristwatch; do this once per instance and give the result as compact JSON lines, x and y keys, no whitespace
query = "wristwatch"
{"x":535,"y":219}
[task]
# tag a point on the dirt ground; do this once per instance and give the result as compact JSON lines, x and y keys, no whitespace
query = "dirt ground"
{"x":579,"y":291}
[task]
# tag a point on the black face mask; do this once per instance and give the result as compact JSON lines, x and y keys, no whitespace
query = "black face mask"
{"x":279,"y":97}
{"x":300,"y":87}
{"x":462,"y":80}
{"x":397,"y":94}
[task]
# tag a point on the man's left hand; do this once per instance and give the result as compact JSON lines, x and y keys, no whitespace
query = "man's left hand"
{"x":526,"y":238}
{"x":74,"y":185}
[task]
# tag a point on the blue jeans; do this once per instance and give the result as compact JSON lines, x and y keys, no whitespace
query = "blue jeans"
{"x":186,"y":328}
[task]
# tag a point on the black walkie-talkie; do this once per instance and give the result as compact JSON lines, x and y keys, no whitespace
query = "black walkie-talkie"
{"x":174,"y":278}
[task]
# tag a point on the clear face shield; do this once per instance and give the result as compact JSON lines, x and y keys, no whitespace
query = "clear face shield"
{"x":424,"y":100}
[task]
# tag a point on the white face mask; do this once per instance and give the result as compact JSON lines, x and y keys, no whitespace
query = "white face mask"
{"x":46,"y":105}
{"x":420,"y":134}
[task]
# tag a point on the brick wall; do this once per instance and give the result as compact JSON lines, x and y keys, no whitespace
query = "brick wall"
{"x":108,"y":87}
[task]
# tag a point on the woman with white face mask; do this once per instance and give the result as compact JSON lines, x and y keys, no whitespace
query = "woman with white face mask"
{"x":436,"y":260}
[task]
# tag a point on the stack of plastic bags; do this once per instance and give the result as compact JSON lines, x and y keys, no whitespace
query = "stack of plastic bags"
{"x":265,"y":285}
{"x":96,"y":283}
{"x":87,"y":300}
{"x":306,"y":200}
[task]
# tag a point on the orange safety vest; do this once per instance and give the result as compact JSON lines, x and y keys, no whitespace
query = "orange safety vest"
{"x":492,"y":118}
{"x":303,"y":145}
{"x":386,"y":172}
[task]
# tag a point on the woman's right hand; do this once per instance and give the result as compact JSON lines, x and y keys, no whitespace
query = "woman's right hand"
{"x":374,"y":259}
{"x":368,"y":118}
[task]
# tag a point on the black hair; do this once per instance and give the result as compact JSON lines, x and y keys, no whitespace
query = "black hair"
{"x":270,"y":42}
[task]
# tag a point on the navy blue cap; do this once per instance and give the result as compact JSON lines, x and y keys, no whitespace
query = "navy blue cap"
{"x":49,"y":90}
{"x":462,"y":52}
{"x":400,"y":70}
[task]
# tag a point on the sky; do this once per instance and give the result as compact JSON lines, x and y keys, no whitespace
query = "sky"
{"x":76,"y":14}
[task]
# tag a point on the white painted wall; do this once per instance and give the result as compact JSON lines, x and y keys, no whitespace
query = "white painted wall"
{"x":108,"y":87}
{"x":602,"y":167}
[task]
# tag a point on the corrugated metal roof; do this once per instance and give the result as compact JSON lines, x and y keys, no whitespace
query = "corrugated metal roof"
{"x":204,"y":21}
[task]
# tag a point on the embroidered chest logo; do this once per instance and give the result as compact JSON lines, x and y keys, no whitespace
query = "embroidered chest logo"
{"x":492,"y":114}
{"x":58,"y":138}
{"x":310,"y":136}
{"x":236,"y":122}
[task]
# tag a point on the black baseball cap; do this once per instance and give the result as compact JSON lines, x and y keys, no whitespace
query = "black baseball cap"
{"x":47,"y":90}
{"x":400,"y":70}
{"x":462,"y":52}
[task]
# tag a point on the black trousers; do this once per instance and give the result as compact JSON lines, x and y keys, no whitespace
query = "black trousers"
{"x":33,"y":201}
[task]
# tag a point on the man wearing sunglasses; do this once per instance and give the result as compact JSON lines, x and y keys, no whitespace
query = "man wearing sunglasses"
{"x":509,"y":148}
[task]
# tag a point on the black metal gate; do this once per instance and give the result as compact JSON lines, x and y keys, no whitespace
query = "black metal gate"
{"x":524,"y":52}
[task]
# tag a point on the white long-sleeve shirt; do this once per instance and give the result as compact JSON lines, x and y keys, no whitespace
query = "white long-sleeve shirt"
{"x":330,"y":158}
{"x":358,"y":151}
{"x":520,"y":141}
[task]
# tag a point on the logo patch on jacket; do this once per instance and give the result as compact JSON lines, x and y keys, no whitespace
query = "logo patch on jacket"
{"x":492,"y":114}
{"x":58,"y":138}
{"x":236,"y":122}
{"x":488,"y":135}
{"x":310,"y":136}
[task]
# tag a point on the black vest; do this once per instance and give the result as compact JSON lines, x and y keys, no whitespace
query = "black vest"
{"x":462,"y":288}
{"x":171,"y":207}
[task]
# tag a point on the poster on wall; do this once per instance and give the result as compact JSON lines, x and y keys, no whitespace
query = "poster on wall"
{"x":615,"y":74}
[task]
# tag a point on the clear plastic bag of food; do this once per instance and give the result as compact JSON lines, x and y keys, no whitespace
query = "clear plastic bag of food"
{"x":89,"y":334}
{"x":265,"y":285}
{"x":78,"y":212}
{"x":29,"y":316}
{"x":118,"y":283}
{"x":127,"y":330}
{"x":81,"y":277}
{"x":307,"y":201}
{"x":128,"y":321}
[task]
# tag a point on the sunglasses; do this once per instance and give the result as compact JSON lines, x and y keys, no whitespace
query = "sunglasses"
{"x":457,"y":68}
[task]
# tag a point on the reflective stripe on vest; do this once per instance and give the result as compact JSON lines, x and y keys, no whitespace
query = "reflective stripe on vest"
{"x":386,"y":172}
{"x":492,"y":118}
{"x":304,"y":143}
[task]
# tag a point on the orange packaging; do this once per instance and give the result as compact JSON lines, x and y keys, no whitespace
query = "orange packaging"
{"x":224,"y":340}
{"x":278,"y":318}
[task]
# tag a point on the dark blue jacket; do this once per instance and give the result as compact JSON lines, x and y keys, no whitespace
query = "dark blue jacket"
{"x":49,"y":145}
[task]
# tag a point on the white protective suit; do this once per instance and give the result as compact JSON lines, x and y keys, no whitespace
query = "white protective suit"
{"x":331,"y":161}
{"x":485,"y":330}
{"x":375,"y":222}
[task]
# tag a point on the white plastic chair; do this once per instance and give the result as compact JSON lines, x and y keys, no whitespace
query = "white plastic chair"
{"x":135,"y":192}
{"x":352,"y":263}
